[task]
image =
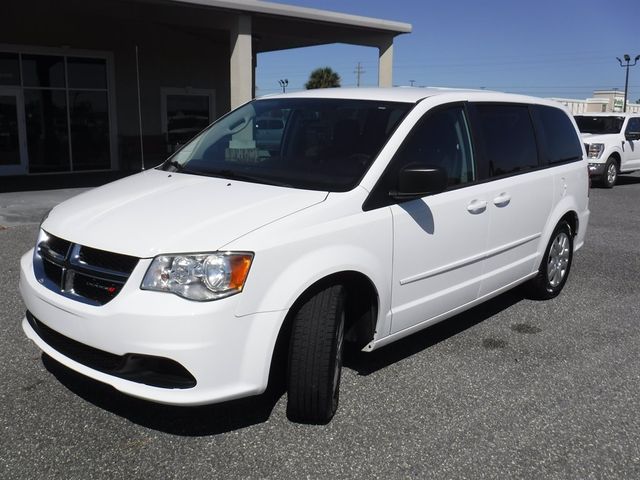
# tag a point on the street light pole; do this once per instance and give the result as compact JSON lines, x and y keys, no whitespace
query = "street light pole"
{"x":284,"y":83}
{"x":627,"y":59}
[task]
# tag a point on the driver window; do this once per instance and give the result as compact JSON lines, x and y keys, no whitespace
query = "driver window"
{"x":441,"y":139}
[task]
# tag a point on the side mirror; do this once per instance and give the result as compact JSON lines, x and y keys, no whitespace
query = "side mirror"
{"x":630,"y":136}
{"x":417,"y":180}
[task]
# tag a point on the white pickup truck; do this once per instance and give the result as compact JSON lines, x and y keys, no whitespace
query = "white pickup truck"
{"x":612,"y":142}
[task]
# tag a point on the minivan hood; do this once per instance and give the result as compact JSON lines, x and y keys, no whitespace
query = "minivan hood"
{"x":158,"y":212}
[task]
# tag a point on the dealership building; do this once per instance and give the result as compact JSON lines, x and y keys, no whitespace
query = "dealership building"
{"x":602,"y":101}
{"x":90,"y":91}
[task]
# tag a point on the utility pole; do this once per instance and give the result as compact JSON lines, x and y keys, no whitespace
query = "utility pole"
{"x":284,"y":83}
{"x":627,"y":59}
{"x":358,"y":71}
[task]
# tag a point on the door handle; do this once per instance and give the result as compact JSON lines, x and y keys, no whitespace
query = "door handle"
{"x":477,"y":206}
{"x":502,"y":200}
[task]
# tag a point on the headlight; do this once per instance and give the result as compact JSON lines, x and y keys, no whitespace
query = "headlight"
{"x":199,"y":276}
{"x":595,"y":150}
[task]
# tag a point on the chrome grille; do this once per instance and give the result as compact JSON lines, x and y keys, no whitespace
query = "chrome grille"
{"x":83,"y":273}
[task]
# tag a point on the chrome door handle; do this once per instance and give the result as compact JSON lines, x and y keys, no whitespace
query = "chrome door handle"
{"x":477,"y":206}
{"x":502,"y":200}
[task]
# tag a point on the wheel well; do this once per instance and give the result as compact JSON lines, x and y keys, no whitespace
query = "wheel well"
{"x":616,"y":158}
{"x":361,"y":305}
{"x":572,"y":220}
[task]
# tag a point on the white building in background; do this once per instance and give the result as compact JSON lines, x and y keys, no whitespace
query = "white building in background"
{"x":602,"y":101}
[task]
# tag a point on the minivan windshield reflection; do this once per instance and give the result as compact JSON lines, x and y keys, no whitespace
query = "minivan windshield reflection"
{"x":599,"y":124}
{"x":315,"y":144}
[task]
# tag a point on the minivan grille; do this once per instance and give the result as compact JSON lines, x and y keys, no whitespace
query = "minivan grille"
{"x":83,"y":273}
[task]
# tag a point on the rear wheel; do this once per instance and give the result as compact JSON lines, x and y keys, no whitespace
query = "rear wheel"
{"x":610,"y":174}
{"x":315,"y":357}
{"x":556,"y":263}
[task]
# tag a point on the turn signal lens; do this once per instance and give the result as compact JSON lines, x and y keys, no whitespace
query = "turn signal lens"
{"x":240,"y":265}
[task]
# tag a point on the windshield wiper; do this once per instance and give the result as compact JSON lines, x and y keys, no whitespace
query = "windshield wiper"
{"x":178,"y":167}
{"x":233,"y":175}
{"x":172,"y":163}
{"x":226,"y":173}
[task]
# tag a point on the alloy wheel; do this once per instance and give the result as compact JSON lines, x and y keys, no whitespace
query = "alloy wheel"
{"x":558,"y":259}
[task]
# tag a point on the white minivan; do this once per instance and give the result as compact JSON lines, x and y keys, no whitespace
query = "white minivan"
{"x":373,"y":214}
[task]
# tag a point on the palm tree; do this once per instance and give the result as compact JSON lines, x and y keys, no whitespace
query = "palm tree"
{"x":323,"y":78}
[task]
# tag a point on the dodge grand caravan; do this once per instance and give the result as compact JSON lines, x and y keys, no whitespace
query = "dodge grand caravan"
{"x":374,"y":214}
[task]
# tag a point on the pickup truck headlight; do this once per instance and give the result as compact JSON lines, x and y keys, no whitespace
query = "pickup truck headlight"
{"x":595,"y":150}
{"x":199,"y":276}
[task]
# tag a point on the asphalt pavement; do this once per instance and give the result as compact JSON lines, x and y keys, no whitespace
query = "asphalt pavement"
{"x":20,"y":208}
{"x":514,"y":388}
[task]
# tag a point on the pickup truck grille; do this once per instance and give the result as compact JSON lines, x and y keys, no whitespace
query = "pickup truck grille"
{"x":82,"y":273}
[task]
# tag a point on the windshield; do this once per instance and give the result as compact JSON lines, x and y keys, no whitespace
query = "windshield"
{"x":316,"y":144}
{"x":599,"y":125}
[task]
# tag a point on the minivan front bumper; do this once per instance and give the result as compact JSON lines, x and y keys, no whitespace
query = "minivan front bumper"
{"x":149,"y":344}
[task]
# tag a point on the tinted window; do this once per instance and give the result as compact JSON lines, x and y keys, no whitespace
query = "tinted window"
{"x":440,"y":139}
{"x":187,"y":115}
{"x":317,"y":144}
{"x":47,"y":133}
{"x":599,"y":124}
{"x":89,"y":113}
{"x":87,"y":72}
{"x":633,"y":125}
{"x":508,"y":138}
{"x":9,"y":69}
{"x":9,"y":131}
{"x":43,"y":71}
{"x":560,"y":137}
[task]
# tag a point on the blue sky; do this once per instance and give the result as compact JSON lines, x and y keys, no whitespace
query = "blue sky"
{"x":561,"y":48}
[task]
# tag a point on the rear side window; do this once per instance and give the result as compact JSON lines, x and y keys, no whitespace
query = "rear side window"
{"x":507,"y":135}
{"x":559,"y":135}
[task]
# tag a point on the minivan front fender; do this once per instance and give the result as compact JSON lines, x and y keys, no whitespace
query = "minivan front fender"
{"x":298,"y":251}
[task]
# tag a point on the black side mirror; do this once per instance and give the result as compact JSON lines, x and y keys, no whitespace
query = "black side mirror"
{"x":632,"y":136}
{"x":417,"y":180}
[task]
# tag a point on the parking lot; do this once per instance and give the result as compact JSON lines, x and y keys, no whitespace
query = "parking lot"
{"x":511,"y":389}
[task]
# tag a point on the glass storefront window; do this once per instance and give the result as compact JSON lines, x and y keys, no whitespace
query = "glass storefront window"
{"x":89,"y":113}
{"x":47,"y":132}
{"x":65,"y":117}
{"x":9,"y":69}
{"x":43,"y":71}
{"x":87,"y":72}
{"x":9,"y":135}
{"x":187,"y":115}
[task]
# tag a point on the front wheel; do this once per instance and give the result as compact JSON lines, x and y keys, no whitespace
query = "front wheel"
{"x":555,"y":266}
{"x":315,"y":357}
{"x":610,"y":174}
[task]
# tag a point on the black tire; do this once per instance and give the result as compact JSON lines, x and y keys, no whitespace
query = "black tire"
{"x":610,"y":174}
{"x":315,"y":357}
{"x":555,"y":266}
